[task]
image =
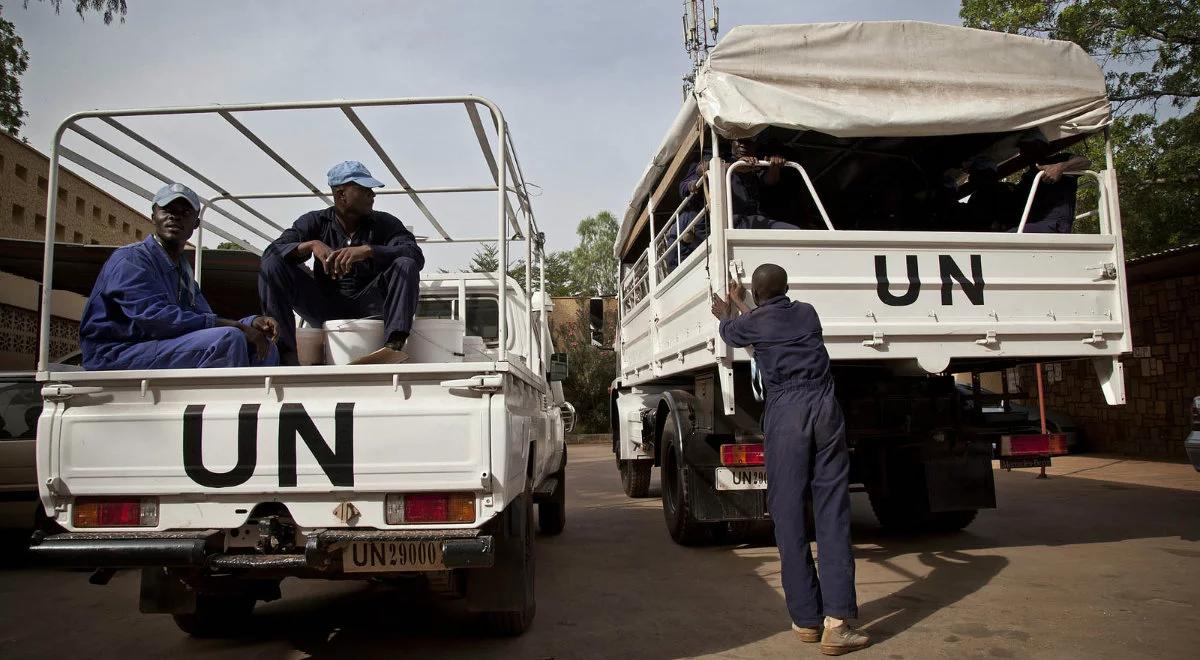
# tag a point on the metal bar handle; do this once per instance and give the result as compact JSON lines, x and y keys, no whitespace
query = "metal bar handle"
{"x":762,"y":163}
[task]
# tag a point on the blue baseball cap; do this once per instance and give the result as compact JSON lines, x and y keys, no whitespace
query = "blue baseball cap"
{"x":174,"y":191}
{"x":352,"y":171}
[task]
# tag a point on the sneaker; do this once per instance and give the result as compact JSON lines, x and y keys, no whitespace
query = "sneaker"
{"x":808,"y":635}
{"x":384,"y":355}
{"x":843,"y":640}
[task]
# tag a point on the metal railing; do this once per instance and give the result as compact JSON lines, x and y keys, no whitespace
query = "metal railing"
{"x":663,"y":249}
{"x":741,"y":164}
{"x":503,"y":164}
{"x":1105,"y":224}
{"x":635,"y":285}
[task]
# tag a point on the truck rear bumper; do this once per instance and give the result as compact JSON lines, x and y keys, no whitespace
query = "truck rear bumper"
{"x":203,"y":550}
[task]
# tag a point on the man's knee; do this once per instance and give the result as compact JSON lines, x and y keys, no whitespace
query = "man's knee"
{"x":275,"y":268}
{"x":229,"y":347}
{"x":405,"y":266}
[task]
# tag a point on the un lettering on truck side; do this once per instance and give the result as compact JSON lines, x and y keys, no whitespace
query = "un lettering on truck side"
{"x":294,"y":425}
{"x":950,"y":272}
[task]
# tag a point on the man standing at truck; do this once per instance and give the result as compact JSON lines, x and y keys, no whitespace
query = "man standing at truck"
{"x":147,"y":312}
{"x":365,"y":263}
{"x":1053,"y":209}
{"x":805,"y":447}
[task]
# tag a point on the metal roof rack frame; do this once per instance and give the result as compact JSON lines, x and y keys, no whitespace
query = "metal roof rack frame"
{"x":501,"y":160}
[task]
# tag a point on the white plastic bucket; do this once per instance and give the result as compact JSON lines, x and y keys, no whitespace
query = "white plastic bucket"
{"x":310,"y":346}
{"x":346,"y":340}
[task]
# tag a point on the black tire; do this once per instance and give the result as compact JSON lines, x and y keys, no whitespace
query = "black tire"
{"x":951,"y":521}
{"x":510,"y":623}
{"x":682,"y":524}
{"x":552,"y":511}
{"x":217,"y":616}
{"x":635,"y":477}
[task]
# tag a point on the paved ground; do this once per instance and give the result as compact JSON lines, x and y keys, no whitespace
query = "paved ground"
{"x":1100,"y":561}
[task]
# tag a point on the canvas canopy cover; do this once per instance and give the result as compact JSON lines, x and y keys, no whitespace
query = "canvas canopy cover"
{"x":887,"y":79}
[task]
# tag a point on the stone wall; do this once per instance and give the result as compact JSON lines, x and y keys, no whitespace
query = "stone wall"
{"x":1161,"y":377}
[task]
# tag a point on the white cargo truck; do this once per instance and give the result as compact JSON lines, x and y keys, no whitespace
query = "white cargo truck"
{"x":219,"y":483}
{"x":875,"y":122}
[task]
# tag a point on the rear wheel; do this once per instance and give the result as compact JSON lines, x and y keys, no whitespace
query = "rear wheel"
{"x":635,"y":476}
{"x":518,"y":560}
{"x":223,"y":615}
{"x":912,"y":514}
{"x":682,"y":524}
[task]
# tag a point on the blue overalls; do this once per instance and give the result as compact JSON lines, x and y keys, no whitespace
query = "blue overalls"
{"x":386,"y":284}
{"x":146,"y":312}
{"x":805,"y":452}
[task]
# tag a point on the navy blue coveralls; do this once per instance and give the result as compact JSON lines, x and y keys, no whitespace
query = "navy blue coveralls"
{"x":1053,"y":210}
{"x":385,"y":284}
{"x":146,"y":312}
{"x":805,"y":448}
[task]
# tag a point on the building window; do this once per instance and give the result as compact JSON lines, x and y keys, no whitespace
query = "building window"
{"x":21,"y":172}
{"x":96,"y":213}
{"x":62,"y":195}
{"x":18,"y":214}
{"x":43,"y":184}
{"x":95,"y":242}
{"x":1,"y":162}
{"x":78,"y":237}
{"x":139,"y":234}
{"x":112,"y":221}
{"x":79,"y":205}
{"x":39,"y":222}
{"x":60,"y":233}
{"x":125,"y":227}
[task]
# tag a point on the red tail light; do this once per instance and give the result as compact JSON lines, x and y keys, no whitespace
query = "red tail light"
{"x":423,"y":508}
{"x":744,"y":454}
{"x":1034,"y":444}
{"x":115,"y":512}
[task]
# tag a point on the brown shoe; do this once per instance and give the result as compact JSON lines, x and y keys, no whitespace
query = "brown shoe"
{"x":843,"y":640}
{"x":807,"y":635}
{"x":384,"y":355}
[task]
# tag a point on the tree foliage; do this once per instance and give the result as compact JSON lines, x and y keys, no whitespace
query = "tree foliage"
{"x":14,"y":59}
{"x":1148,"y":49}
{"x":230,"y":245}
{"x":593,"y":266}
{"x":589,"y":374}
{"x":108,"y":9}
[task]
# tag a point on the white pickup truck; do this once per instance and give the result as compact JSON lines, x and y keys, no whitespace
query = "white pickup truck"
{"x":219,"y":483}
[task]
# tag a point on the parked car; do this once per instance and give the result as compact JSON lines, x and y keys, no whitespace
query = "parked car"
{"x":20,"y":406}
{"x":1192,"y":443}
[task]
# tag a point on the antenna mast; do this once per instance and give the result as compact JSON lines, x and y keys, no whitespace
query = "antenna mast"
{"x":699,"y":35}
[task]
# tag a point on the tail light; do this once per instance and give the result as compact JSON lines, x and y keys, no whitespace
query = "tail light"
{"x":115,"y":512}
{"x":1033,"y":444}
{"x":742,"y":454}
{"x":426,"y":508}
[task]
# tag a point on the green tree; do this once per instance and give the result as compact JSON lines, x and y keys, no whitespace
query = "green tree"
{"x":1148,"y":49}
{"x":590,"y":372}
{"x":14,"y":59}
{"x":558,"y":274}
{"x":229,"y":245}
{"x":593,"y":267}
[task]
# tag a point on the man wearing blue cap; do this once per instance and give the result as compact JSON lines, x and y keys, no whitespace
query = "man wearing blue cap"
{"x":365,"y":263}
{"x":147,"y":312}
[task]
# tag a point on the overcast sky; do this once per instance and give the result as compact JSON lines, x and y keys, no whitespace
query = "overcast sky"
{"x":588,"y":88}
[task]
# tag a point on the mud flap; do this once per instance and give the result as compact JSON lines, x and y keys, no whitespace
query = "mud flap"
{"x":164,"y":593}
{"x":502,"y":587}
{"x":963,"y":481}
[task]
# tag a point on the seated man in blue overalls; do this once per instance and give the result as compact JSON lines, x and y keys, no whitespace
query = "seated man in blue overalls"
{"x":805,"y":452}
{"x":147,"y":312}
{"x":365,"y":263}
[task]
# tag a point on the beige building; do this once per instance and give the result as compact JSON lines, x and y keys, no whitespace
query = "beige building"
{"x":86,"y":215}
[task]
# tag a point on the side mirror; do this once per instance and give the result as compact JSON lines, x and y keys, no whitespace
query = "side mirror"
{"x":558,"y":367}
{"x":596,"y":321}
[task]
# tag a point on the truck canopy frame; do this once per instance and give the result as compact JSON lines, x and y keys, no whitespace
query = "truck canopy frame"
{"x":515,"y":221}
